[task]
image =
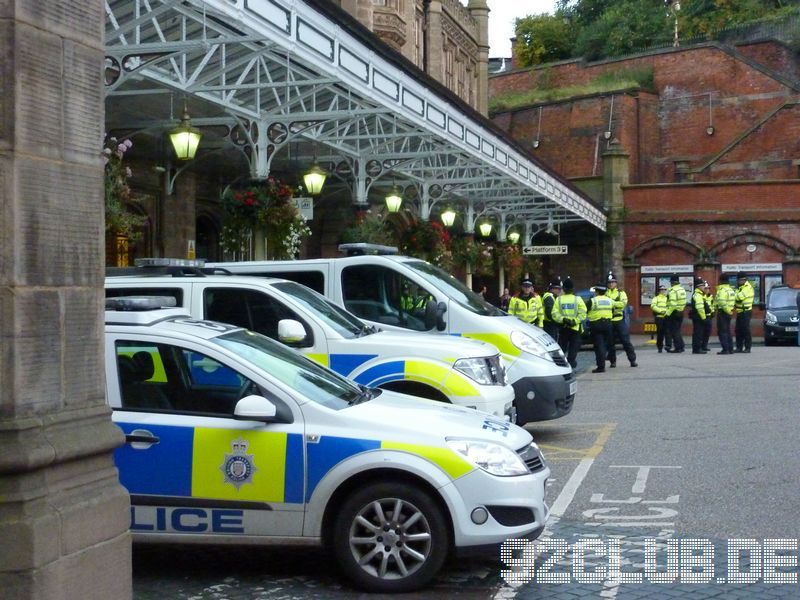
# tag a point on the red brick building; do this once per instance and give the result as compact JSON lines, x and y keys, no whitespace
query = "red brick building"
{"x":698,"y":167}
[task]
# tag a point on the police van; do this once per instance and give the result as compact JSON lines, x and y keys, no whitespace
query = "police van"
{"x":462,"y":372}
{"x":375,"y":286}
{"x":233,"y":438}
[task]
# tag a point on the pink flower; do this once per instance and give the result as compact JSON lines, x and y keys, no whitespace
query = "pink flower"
{"x":128,"y":143}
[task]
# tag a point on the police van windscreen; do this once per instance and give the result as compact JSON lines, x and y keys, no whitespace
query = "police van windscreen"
{"x":454,"y":289}
{"x":782,"y":298}
{"x":338,"y":319}
{"x":293,"y":369}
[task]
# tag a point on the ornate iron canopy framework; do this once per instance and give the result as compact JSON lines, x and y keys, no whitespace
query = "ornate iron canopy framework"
{"x":277,"y":74}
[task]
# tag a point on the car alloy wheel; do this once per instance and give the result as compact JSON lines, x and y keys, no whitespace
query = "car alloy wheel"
{"x":391,"y":538}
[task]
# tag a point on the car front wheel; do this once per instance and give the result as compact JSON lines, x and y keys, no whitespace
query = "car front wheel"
{"x":390,"y":537}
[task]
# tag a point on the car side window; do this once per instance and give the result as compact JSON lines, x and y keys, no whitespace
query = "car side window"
{"x":385,"y":296}
{"x":252,"y":310}
{"x":166,"y":378}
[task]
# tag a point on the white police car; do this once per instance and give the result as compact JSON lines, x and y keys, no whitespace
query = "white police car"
{"x":234,"y":438}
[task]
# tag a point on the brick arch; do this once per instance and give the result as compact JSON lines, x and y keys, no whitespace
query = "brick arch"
{"x":752,"y":237}
{"x":660,"y":241}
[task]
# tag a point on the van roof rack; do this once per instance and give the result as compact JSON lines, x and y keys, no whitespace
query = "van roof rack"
{"x":360,"y":248}
{"x":175,"y":267}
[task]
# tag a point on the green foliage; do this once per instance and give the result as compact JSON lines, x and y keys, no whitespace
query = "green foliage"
{"x":542,"y":38}
{"x":610,"y":81}
{"x":266,"y":207}
{"x":371,"y":227}
{"x":625,"y":26}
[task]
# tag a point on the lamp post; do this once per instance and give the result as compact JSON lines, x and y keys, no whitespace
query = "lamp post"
{"x":394,"y":200}
{"x":448,"y":217}
{"x":184,"y":137}
{"x":485,"y":228}
{"x":314,"y":179}
{"x":513,"y":237}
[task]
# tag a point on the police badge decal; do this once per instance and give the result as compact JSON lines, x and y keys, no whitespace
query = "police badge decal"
{"x":238,"y":467}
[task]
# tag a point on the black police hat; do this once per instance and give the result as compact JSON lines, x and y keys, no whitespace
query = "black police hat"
{"x":568,"y":285}
{"x":526,"y":281}
{"x":611,"y":277}
{"x":698,"y":281}
{"x":600,"y":288}
{"x":742,"y":276}
{"x":674,"y":279}
{"x":555,"y":284}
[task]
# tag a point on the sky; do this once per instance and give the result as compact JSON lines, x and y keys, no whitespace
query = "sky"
{"x":501,"y":21}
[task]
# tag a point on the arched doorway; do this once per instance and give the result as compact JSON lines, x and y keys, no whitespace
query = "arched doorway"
{"x":207,"y":244}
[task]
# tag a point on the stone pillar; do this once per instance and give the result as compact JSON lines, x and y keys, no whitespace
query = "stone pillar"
{"x":179,"y":219}
{"x":63,"y":515}
{"x":615,"y":175}
{"x":434,"y":41}
{"x":479,"y":9}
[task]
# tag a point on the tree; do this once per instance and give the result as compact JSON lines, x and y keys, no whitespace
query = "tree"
{"x":542,"y":38}
{"x":625,"y":26}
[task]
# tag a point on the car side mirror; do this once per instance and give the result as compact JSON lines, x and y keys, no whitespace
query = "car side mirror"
{"x":255,"y":408}
{"x":291,"y":332}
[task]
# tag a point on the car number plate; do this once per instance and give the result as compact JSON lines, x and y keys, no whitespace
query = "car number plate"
{"x":573,"y":388}
{"x":791,"y":329}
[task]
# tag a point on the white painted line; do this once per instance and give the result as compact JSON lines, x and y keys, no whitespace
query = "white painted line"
{"x":570,"y":488}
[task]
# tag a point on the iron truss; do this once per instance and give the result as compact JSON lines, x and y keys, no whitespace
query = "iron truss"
{"x":280,"y":72}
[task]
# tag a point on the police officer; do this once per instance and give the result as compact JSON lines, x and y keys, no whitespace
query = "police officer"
{"x":548,"y":300}
{"x":619,"y":325}
{"x":569,"y":311}
{"x":698,"y":316}
{"x":600,"y":312}
{"x":711,"y":310}
{"x":744,"y":311}
{"x":659,"y":308}
{"x":526,"y":305}
{"x":676,"y":304}
{"x":725,"y":301}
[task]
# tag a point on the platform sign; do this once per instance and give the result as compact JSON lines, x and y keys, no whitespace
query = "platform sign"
{"x":530,"y":250}
{"x":305,"y":206}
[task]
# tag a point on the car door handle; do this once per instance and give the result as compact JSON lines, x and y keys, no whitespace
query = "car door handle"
{"x":140,"y":438}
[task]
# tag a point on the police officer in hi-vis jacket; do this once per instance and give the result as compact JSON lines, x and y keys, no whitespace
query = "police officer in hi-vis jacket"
{"x":676,"y":304}
{"x":600,"y":310}
{"x":659,"y":308}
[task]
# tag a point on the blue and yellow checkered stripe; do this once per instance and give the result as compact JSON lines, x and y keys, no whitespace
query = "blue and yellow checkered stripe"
{"x":187,"y":462}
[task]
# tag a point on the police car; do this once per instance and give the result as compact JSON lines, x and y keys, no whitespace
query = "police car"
{"x":460,"y":371}
{"x":234,"y":438}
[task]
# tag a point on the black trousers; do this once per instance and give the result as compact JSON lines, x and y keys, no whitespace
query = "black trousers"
{"x":698,"y":330}
{"x":619,"y":330}
{"x":743,"y":338}
{"x":601,"y":338}
{"x":570,"y":342}
{"x":675,"y":320}
{"x":552,"y":328}
{"x":707,"y":325}
{"x":662,"y":333}
{"x":724,"y":331}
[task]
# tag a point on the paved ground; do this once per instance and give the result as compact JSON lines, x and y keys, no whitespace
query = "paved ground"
{"x":682,"y":447}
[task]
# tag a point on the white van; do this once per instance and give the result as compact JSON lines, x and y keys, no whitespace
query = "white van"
{"x":462,"y":372}
{"x":403,"y":293}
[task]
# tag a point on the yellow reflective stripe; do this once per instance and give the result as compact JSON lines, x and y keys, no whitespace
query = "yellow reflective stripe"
{"x":266,"y":452}
{"x":159,"y":375}
{"x":442,"y":378}
{"x":501,"y":341}
{"x":447,"y":460}
{"x":323,"y":359}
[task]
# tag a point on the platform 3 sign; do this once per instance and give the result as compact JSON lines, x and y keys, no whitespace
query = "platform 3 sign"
{"x":530,"y":250}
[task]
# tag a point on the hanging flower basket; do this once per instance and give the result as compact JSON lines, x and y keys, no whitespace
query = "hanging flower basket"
{"x":120,"y":222}
{"x":265,"y":207}
{"x":428,"y":240}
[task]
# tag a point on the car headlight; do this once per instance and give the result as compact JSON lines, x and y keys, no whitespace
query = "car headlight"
{"x":476,"y":369}
{"x":771,"y":318}
{"x":527,"y":344}
{"x":492,"y":458}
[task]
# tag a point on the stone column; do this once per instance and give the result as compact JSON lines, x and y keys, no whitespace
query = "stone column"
{"x":434,"y":41}
{"x":479,"y":9}
{"x":179,"y":219}
{"x":63,"y":515}
{"x":615,"y":175}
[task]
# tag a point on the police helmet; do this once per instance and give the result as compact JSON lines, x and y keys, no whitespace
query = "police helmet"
{"x":555,"y":284}
{"x":568,"y":285}
{"x":600,"y":289}
{"x":698,"y":282}
{"x":674,"y":279}
{"x":526,"y":282}
{"x":611,"y":277}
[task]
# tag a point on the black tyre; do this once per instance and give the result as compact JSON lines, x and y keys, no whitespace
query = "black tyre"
{"x":390,"y":537}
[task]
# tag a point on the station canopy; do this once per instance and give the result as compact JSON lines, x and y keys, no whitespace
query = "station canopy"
{"x":275,"y":85}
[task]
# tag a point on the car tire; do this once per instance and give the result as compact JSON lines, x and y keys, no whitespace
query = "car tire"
{"x":382,"y":552}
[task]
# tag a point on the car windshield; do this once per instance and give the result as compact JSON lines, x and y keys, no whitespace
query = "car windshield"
{"x":338,"y":319}
{"x":296,"y":371}
{"x":782,"y":299}
{"x":454,"y":289}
